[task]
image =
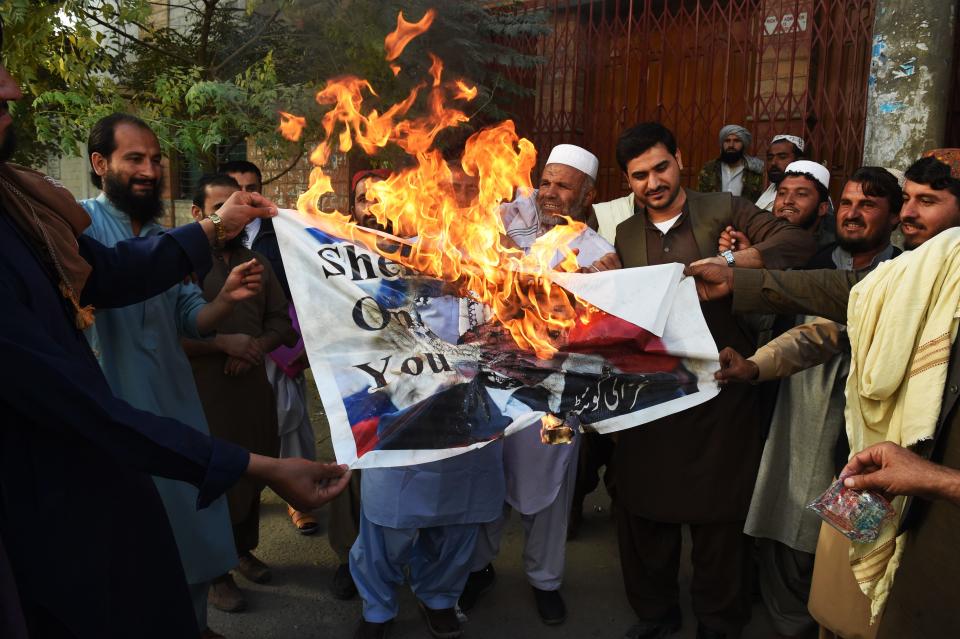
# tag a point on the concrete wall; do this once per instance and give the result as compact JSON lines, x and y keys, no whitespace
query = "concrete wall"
{"x":75,"y":175}
{"x":909,"y":84}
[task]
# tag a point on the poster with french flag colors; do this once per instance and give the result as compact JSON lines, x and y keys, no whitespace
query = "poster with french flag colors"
{"x":409,"y":371}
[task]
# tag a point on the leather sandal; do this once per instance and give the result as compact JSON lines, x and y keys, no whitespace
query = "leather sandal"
{"x":305,"y":523}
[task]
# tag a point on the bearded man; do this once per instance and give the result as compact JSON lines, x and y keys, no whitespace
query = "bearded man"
{"x":139,"y":345}
{"x":806,"y":445}
{"x":541,"y":478}
{"x":734,"y":171}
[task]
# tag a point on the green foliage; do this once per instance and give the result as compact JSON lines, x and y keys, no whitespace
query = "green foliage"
{"x":220,"y":73}
{"x":60,"y":64}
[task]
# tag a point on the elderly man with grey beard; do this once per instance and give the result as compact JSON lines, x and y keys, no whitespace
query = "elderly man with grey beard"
{"x":540,"y":477}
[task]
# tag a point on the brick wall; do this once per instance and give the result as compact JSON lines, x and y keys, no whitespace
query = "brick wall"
{"x":285,"y":189}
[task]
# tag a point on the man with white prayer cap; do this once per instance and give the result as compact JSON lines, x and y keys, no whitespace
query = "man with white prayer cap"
{"x":783,"y":150}
{"x":803,"y":198}
{"x":540,"y":477}
{"x":567,"y":188}
{"x":734,"y":171}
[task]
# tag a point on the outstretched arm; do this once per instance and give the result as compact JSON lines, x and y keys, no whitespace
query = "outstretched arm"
{"x":800,"y":348}
{"x":140,"y":268}
{"x":819,"y":292}
{"x":74,"y":398}
{"x":894,"y":470}
{"x":137,"y":269}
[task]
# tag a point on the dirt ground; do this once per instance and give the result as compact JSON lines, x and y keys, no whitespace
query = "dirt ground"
{"x":297,"y":602}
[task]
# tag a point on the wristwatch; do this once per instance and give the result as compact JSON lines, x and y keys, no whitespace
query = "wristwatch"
{"x":728,"y":256}
{"x":219,"y":230}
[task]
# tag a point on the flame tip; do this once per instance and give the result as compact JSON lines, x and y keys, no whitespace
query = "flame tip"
{"x":460,"y":238}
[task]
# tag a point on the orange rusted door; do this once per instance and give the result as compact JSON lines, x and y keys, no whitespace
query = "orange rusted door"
{"x":775,"y":66}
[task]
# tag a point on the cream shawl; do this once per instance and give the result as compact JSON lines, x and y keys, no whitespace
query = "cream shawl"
{"x":902,"y":320}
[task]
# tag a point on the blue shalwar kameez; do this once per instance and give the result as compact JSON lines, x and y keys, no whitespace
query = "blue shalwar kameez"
{"x":139,"y":349}
{"x":427,"y":518}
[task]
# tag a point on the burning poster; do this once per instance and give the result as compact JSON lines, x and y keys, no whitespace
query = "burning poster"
{"x":442,"y":334}
{"x":409,"y":372}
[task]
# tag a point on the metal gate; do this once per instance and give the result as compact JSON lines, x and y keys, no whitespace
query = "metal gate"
{"x":775,"y":66}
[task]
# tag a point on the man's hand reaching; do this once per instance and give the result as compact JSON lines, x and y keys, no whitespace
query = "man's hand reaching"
{"x":303,"y":484}
{"x":894,"y":470}
{"x":240,"y":208}
{"x":609,"y":262}
{"x":734,"y":367}
{"x":243,"y":282}
{"x":714,"y":281}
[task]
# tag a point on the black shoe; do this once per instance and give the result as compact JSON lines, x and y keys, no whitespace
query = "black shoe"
{"x":342,"y":586}
{"x":370,"y":630}
{"x":550,"y":606}
{"x":442,"y":623}
{"x":477,"y":584}
{"x":656,"y":628}
{"x":707,"y":633}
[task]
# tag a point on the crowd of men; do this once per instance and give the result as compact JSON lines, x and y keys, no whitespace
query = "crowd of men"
{"x":154,"y":385}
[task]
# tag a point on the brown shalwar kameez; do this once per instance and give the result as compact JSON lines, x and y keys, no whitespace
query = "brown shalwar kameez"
{"x":697,"y":467}
{"x":242,"y":409}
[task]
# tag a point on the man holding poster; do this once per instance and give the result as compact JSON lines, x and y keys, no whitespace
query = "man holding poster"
{"x":696,"y":467}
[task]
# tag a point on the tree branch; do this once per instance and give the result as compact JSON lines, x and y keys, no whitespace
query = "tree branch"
{"x":483,"y":106}
{"x":170,"y":5}
{"x":209,"y":10}
{"x":279,"y":175}
{"x":215,"y":70}
{"x":142,"y":43}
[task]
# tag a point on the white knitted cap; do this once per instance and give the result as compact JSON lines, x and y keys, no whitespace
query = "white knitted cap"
{"x":818,"y":171}
{"x":577,"y":157}
{"x":797,"y":142}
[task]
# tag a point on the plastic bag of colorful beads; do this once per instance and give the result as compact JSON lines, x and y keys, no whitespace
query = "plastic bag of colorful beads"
{"x":859,"y":514}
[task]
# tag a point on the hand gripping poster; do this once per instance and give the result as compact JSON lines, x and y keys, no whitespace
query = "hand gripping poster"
{"x":409,"y":372}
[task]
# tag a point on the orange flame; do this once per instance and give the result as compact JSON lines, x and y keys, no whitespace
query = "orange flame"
{"x":462,"y":243}
{"x":397,"y":40}
{"x":291,"y":126}
{"x":395,"y":68}
{"x":464,"y":92}
{"x":436,"y":69}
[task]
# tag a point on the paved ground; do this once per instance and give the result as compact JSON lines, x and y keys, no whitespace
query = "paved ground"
{"x":297,"y":603}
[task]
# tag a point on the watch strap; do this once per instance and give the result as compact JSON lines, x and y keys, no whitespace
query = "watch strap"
{"x":221,"y":233}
